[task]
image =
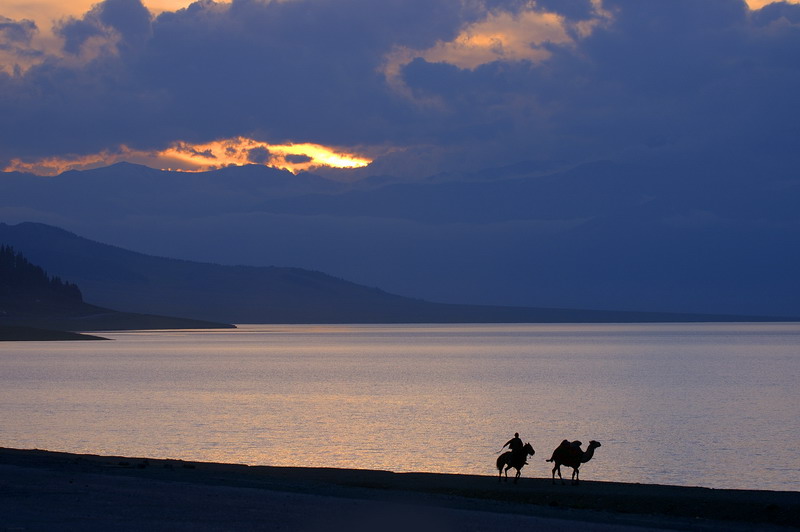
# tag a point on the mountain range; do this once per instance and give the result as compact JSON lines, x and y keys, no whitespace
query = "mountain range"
{"x":134,"y":282}
{"x":37,"y":306}
{"x":702,"y":233}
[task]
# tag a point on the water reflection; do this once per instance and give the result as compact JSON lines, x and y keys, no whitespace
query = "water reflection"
{"x":424,"y":398}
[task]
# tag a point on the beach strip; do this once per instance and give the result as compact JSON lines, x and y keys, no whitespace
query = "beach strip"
{"x":44,"y":490}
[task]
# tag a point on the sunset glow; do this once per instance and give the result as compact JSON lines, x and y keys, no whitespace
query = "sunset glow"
{"x":351,"y":233}
{"x":46,"y":12}
{"x":187,"y":157}
{"x":758,"y":4}
{"x":42,"y":41}
{"x":501,"y":36}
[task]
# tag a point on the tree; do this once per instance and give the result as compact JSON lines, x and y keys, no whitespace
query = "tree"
{"x":18,"y":276}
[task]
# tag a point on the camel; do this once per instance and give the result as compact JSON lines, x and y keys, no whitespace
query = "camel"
{"x":570,"y":454}
{"x":515,"y":459}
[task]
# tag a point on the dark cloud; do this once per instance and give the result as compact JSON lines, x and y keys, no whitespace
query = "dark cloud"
{"x":77,"y":32}
{"x":692,"y":104}
{"x":17,"y":32}
{"x":652,"y":77}
{"x":298,"y":159}
{"x":124,"y":23}
{"x":303,"y":70}
{"x":258,"y":155}
{"x":684,"y":72}
{"x":283,"y":71}
{"x":16,"y":38}
{"x":129,"y":17}
{"x":780,"y":13}
{"x":572,"y":9}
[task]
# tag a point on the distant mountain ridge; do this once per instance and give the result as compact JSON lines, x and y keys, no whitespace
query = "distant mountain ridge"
{"x":34,"y":305}
{"x":706,"y":234}
{"x":134,"y":282}
{"x":27,"y":283}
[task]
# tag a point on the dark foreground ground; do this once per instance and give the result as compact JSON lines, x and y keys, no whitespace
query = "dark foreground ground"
{"x":41,"y":490}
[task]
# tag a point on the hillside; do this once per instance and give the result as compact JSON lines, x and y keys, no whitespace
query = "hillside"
{"x":27,"y":288}
{"x":135,"y":282}
{"x":662,"y":235}
{"x":36,"y":306}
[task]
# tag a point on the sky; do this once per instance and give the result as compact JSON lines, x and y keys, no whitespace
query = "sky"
{"x":401,"y":87}
{"x":620,"y":154}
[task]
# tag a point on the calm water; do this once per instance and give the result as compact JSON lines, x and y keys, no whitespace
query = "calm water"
{"x":702,"y":405}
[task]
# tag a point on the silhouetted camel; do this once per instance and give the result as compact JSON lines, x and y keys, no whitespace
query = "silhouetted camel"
{"x":571,"y":455}
{"x":515,"y":459}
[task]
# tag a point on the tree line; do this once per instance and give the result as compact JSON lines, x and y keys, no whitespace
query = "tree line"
{"x":19,"y":275}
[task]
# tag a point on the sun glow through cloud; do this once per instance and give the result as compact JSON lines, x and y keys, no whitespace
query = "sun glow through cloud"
{"x":187,"y":157}
{"x":500,"y":36}
{"x":758,"y":4}
{"x":507,"y":36}
{"x":43,"y":43}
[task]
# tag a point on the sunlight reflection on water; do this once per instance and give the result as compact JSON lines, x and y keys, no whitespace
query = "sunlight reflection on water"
{"x":703,"y":404}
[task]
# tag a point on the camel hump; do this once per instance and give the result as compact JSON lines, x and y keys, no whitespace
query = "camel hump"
{"x":562,"y":448}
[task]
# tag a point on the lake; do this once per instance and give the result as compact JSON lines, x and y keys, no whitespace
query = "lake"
{"x":711,"y":405}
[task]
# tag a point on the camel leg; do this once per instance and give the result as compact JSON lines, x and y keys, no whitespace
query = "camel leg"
{"x":557,"y":468}
{"x":575,"y":476}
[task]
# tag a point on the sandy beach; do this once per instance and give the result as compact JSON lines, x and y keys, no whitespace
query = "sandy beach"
{"x":42,"y":490}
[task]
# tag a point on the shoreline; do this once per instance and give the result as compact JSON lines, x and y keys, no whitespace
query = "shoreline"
{"x":44,"y":490}
{"x":21,"y":333}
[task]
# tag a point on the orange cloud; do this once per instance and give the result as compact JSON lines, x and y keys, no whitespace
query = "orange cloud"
{"x":501,"y":36}
{"x":187,"y":157}
{"x":758,"y":4}
{"x":46,"y":12}
{"x":45,"y":43}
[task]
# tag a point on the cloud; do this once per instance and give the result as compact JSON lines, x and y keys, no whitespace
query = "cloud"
{"x":281,"y":72}
{"x":259,"y":155}
{"x":17,"y":32}
{"x":758,"y":4}
{"x":482,"y":83}
{"x":501,"y":36}
{"x":689,"y":73}
{"x":523,"y":35}
{"x":16,"y":45}
{"x":188,"y":157}
{"x":298,"y":159}
{"x":110,"y":27}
